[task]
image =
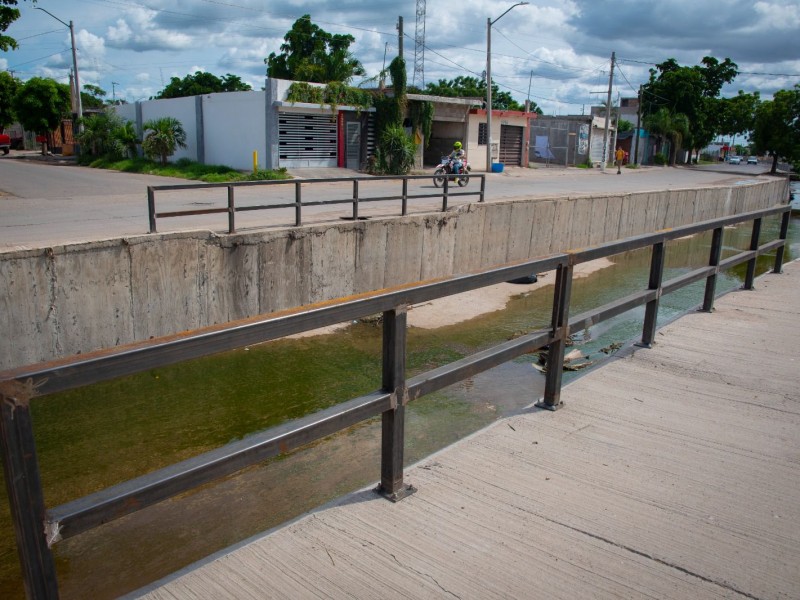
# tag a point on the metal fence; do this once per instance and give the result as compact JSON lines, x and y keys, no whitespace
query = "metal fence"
{"x":356,"y":199}
{"x":37,"y":527}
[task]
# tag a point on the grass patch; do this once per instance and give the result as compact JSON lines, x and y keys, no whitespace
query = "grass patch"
{"x":183,"y":169}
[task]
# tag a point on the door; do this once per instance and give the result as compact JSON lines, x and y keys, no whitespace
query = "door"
{"x":511,"y":145}
{"x":353,"y":147}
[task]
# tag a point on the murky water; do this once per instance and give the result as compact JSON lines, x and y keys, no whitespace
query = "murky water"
{"x":90,"y":439}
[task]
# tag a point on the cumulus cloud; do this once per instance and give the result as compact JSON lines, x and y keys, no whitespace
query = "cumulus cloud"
{"x":565,"y":44}
{"x":137,"y":32}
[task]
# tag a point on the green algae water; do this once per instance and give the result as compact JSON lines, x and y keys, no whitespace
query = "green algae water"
{"x":94,"y":437}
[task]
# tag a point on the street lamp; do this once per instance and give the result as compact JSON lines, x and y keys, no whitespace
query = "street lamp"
{"x":77,"y":90}
{"x":489,"y":24}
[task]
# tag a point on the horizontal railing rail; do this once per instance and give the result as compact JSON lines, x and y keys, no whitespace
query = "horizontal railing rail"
{"x":356,"y":199}
{"x":38,"y":528}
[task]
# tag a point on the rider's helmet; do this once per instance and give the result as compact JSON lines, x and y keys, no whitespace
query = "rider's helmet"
{"x":457,"y":146}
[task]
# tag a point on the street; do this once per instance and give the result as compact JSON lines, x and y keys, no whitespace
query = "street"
{"x":46,"y":204}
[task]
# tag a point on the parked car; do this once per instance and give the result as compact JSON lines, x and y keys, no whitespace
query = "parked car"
{"x":752,"y":160}
{"x":5,"y":143}
{"x":735,"y":160}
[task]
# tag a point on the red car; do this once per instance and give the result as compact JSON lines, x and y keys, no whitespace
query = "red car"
{"x":5,"y":143}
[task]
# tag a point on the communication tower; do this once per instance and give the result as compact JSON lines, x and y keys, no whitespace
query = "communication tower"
{"x":419,"y":46}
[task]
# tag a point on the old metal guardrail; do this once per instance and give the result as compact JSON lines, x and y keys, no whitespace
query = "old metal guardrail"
{"x":37,"y":528}
{"x":357,"y":196}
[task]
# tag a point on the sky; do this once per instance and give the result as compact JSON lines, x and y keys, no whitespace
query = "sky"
{"x":557,"y":53}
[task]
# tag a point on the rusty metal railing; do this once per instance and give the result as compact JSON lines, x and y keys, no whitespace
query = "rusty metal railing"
{"x":37,"y":527}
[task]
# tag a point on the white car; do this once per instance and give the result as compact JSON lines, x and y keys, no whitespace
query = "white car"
{"x":752,"y":160}
{"x":735,"y":160}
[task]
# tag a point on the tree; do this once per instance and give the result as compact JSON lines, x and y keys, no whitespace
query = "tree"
{"x":8,"y":89}
{"x":311,"y":54}
{"x":674,"y":127}
{"x":162,"y":137}
{"x":7,"y":16}
{"x":738,"y":113}
{"x":395,"y":151}
{"x":98,"y":136}
{"x":202,"y":83}
{"x":690,"y":91}
{"x":473,"y":87}
{"x":92,"y":96}
{"x":777,"y":127}
{"x":127,"y":137}
{"x":624,"y":125}
{"x":41,"y":104}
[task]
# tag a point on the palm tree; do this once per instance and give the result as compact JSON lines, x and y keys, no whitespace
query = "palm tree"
{"x":673,"y":126}
{"x":162,"y":137}
{"x":126,"y":136}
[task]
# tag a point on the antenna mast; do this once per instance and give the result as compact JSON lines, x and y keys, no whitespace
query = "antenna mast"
{"x":419,"y":47}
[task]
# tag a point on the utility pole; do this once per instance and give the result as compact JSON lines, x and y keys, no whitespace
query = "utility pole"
{"x":638,"y":126}
{"x":528,"y":100}
{"x":608,"y":113}
{"x":114,"y":85}
{"x":78,"y":102}
{"x":489,"y":23}
{"x":400,"y":35}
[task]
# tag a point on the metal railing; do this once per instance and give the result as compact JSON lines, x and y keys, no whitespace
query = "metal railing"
{"x":356,"y":199}
{"x":37,"y":528}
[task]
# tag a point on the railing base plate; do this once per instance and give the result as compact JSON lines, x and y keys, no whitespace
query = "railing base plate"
{"x":550,"y":407}
{"x":405,"y":491}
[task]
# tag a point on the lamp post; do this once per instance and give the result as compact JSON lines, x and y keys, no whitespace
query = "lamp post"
{"x":77,"y":90}
{"x":489,"y":23}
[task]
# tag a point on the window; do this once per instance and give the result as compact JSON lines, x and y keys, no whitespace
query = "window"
{"x":482,"y":134}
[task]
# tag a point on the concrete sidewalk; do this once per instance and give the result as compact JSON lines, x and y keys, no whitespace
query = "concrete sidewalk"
{"x":672,"y":472}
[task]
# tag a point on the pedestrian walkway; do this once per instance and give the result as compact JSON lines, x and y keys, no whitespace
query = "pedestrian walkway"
{"x":671,"y":472}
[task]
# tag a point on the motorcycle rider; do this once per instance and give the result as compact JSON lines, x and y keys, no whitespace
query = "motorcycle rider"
{"x":457,"y":157}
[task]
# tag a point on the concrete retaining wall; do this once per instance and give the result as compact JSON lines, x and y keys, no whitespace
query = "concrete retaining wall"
{"x":70,"y":299}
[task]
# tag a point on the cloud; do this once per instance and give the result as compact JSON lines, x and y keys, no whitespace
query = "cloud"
{"x":90,"y":45}
{"x":136,"y":32}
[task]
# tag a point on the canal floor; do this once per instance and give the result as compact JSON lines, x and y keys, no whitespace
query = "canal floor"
{"x":671,"y":472}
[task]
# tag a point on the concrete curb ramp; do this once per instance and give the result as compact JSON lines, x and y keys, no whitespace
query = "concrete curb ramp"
{"x":670,"y":473}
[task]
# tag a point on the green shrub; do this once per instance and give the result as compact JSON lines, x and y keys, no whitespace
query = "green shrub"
{"x":395,"y":153}
{"x":660,"y":159}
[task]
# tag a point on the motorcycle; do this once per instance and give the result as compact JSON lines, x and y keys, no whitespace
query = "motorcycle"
{"x":446,"y":170}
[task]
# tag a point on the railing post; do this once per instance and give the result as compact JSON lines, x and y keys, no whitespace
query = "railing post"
{"x":393,"y":420}
{"x":651,"y":310}
{"x":151,"y":207}
{"x":483,"y":188}
{"x":751,"y":264}
{"x":298,"y":203}
{"x":555,"y":353}
{"x":778,"y":267}
{"x":405,"y":196}
{"x":355,"y":199}
{"x":24,"y":488}
{"x":444,"y":193}
{"x":231,"y":211}
{"x":713,"y":261}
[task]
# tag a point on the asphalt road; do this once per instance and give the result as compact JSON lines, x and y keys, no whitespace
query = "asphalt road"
{"x":47,"y":203}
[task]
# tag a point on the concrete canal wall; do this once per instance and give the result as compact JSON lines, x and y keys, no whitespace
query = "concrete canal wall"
{"x":72,"y":299}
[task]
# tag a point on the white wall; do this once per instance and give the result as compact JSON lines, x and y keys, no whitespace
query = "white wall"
{"x":127,"y":112}
{"x":182,"y":109}
{"x":234,"y":125}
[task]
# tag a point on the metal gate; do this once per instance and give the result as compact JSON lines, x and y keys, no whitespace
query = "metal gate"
{"x":511,"y":145}
{"x":307,"y":139}
{"x":353,"y":147}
